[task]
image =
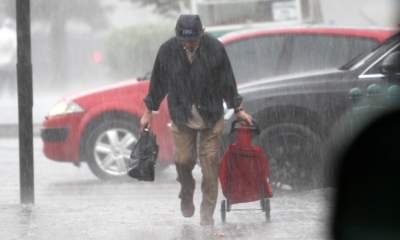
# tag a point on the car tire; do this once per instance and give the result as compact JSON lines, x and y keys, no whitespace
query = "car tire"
{"x":294,"y":157}
{"x":109,"y":146}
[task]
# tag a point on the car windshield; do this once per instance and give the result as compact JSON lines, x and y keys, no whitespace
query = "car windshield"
{"x":362,"y":58}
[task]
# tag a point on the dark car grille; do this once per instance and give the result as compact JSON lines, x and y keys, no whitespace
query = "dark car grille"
{"x":54,"y":134}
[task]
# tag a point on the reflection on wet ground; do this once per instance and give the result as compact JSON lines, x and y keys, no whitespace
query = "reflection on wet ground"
{"x":71,"y":203}
{"x":158,"y":219}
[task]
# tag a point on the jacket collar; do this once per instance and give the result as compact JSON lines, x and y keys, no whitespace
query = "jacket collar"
{"x":199,"y":51}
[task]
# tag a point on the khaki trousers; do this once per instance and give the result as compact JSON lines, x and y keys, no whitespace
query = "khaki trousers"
{"x":185,"y":155}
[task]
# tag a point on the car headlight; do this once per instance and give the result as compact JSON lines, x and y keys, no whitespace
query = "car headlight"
{"x":66,"y":107}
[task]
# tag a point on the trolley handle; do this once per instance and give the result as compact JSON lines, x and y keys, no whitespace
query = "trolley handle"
{"x":255,"y":128}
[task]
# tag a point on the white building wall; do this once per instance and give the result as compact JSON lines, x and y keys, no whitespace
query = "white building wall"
{"x":126,"y":13}
{"x":338,"y":12}
{"x":361,"y":12}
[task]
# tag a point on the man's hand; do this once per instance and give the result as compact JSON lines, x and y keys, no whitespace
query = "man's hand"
{"x":146,"y":120}
{"x":243,"y":115}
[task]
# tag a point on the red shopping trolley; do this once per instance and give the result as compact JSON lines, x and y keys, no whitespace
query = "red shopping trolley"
{"x":244,"y":171}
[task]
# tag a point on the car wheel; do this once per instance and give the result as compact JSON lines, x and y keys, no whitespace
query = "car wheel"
{"x":109,"y":147}
{"x":294,"y":157}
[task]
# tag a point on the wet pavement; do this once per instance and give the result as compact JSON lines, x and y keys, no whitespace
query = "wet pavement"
{"x":71,"y":203}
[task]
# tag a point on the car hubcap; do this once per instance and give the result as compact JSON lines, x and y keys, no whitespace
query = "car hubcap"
{"x":112,"y":150}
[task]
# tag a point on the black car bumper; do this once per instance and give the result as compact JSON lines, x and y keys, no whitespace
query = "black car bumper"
{"x":54,"y":134}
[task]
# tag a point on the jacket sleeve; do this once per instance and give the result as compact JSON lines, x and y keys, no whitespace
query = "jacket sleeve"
{"x":158,"y":84}
{"x":229,"y":89}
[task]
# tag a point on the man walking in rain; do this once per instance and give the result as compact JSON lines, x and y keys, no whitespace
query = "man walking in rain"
{"x":194,"y":70}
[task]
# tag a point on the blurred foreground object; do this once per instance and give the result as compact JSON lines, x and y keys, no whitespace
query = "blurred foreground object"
{"x":368,"y":196}
{"x":367,"y":203}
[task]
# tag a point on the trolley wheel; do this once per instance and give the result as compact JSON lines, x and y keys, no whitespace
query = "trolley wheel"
{"x":262,"y":205}
{"x":267,"y":207}
{"x":228,"y":199}
{"x":262,"y":200}
{"x":223,"y":210}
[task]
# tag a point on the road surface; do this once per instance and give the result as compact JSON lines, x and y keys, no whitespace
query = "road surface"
{"x":71,"y":203}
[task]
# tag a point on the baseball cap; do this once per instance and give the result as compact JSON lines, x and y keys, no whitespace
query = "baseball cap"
{"x":188,"y":27}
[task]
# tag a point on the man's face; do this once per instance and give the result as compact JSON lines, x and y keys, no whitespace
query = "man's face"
{"x":191,"y":46}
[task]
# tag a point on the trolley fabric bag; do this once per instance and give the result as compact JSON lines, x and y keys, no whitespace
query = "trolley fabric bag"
{"x":244,"y":169}
{"x":143,"y":158}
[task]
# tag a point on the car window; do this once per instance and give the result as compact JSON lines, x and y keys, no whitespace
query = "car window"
{"x":317,"y":51}
{"x":362,"y":58}
{"x":375,"y":68}
{"x":255,"y":58}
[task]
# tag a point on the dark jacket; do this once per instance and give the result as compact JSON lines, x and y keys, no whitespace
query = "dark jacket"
{"x":206,"y":82}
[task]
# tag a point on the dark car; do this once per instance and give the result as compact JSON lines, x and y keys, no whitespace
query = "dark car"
{"x":297,"y":113}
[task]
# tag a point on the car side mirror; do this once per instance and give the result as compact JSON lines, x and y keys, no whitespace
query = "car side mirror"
{"x":391,"y":64}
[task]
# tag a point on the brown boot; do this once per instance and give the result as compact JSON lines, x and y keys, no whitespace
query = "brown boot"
{"x":187,"y":207}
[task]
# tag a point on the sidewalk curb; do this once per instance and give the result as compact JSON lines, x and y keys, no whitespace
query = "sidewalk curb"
{"x":12,"y":130}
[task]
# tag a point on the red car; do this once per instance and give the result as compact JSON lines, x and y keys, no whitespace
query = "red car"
{"x":100,"y":126}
